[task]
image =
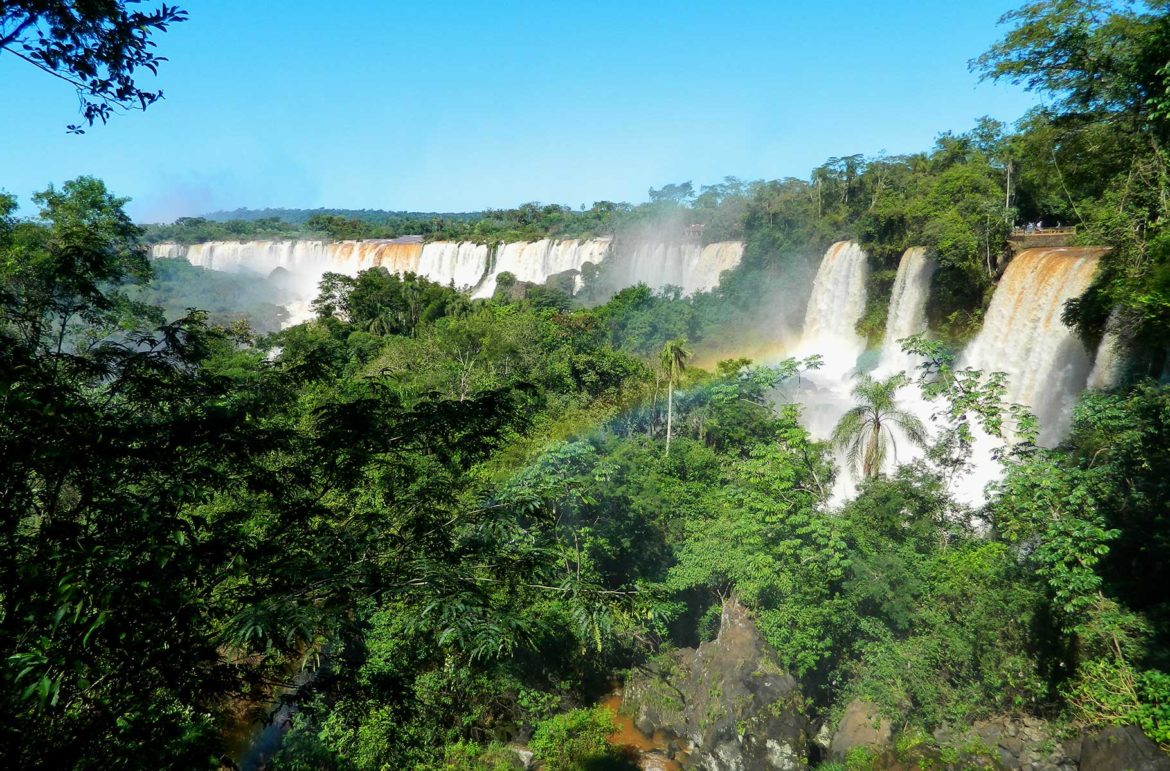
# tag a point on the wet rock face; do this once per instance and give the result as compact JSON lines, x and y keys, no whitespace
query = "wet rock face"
{"x":729,"y":702}
{"x":861,"y":726}
{"x":1121,"y":747}
{"x":1011,"y":743}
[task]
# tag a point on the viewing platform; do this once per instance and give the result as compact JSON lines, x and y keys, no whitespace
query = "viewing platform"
{"x":1023,"y":238}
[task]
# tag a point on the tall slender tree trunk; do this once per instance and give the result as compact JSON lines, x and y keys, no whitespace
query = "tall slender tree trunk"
{"x":669,"y":409}
{"x":870,"y":466}
{"x":1007,"y":196}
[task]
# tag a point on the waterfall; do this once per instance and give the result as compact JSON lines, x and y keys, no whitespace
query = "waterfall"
{"x":836,"y":304}
{"x":703,"y":275}
{"x":463,"y":264}
{"x":352,"y":257}
{"x":537,"y":261}
{"x":1109,"y":363}
{"x":688,"y":265}
{"x":907,"y":314}
{"x":256,"y":256}
{"x":691,"y":266}
{"x":1023,"y":336}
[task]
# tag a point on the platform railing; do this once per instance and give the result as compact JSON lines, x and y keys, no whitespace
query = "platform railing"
{"x":1066,"y":230}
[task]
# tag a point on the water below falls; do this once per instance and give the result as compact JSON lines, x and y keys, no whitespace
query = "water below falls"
{"x":1023,"y":336}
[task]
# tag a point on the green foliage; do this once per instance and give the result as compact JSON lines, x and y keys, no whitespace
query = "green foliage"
{"x":936,"y":622}
{"x":866,"y":431}
{"x":1108,"y":691}
{"x":383,"y":303}
{"x":96,"y":48}
{"x":574,"y":740}
{"x":761,"y":537}
{"x":1089,"y":515}
{"x":861,"y":759}
{"x":468,"y":756}
{"x":177,"y":286}
{"x":458,"y":518}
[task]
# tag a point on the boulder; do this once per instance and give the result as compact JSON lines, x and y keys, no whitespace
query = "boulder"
{"x":861,"y":726}
{"x":525,"y":756}
{"x":1121,"y":748}
{"x":729,"y":703}
{"x":1008,"y":742}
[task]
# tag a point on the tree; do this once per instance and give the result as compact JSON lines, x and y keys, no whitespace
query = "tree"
{"x":866,"y":433}
{"x":96,"y":47}
{"x":1098,"y":56}
{"x":674,"y":360}
{"x":677,"y":193}
{"x":68,"y":275}
{"x":759,"y":534}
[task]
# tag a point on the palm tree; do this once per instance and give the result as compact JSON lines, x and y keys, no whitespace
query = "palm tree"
{"x":674,"y":361}
{"x":865,"y":431}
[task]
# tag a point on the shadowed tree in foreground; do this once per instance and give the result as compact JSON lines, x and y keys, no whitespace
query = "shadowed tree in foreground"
{"x":96,"y":47}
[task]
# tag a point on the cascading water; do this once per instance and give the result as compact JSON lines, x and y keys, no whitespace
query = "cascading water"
{"x":688,"y":265}
{"x":715,"y":258}
{"x":1023,"y":336}
{"x":463,"y":264}
{"x":692,"y":266}
{"x":1109,"y":363}
{"x":299,"y":257}
{"x":251,"y":256}
{"x":835,"y":306}
{"x":304,"y":260}
{"x":907,"y":314}
{"x":537,"y":261}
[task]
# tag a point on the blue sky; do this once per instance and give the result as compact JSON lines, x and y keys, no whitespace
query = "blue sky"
{"x":463,"y":105}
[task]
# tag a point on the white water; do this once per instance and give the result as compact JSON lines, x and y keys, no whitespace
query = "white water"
{"x":537,"y":261}
{"x":463,"y":264}
{"x":687,"y":265}
{"x":834,"y":308}
{"x":307,"y":260}
{"x":299,"y":257}
{"x":1047,"y":366}
{"x":907,"y":314}
{"x":1109,"y":362}
{"x":836,"y":305}
{"x":466,"y":265}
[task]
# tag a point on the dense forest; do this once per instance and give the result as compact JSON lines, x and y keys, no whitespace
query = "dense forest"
{"x":426,"y":529}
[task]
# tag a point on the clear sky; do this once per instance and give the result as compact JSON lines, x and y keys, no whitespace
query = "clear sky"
{"x":460,"y":105}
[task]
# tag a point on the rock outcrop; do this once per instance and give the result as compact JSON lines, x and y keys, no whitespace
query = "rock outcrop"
{"x":1010,"y":743}
{"x":729,"y":703}
{"x":862,"y":725}
{"x":1121,"y":748}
